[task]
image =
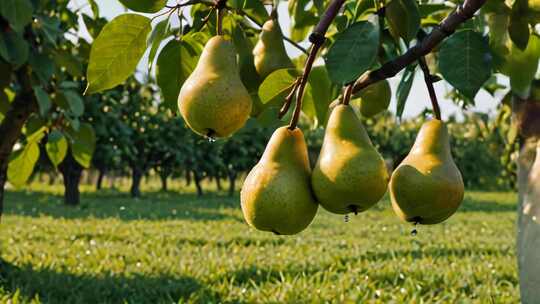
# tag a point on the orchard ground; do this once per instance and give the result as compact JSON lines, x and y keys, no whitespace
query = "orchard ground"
{"x":173,"y":247}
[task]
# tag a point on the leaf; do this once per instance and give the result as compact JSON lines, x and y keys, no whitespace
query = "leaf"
{"x":404,"y":88}
{"x":144,"y":6}
{"x":56,"y":147}
{"x":175,"y":63}
{"x":518,"y":30}
{"x":156,"y":37}
{"x":116,"y":51}
{"x":13,"y":48}
{"x":17,"y":12}
{"x":95,"y":8}
{"x":42,"y":66}
{"x":75,"y":102}
{"x":277,"y":85}
{"x":403,"y":18}
{"x":70,"y":63}
{"x":353,"y":52}
{"x":321,"y":91}
{"x":21,"y":164}
{"x":83,"y":144}
{"x":465,"y":61}
{"x":44,"y":102}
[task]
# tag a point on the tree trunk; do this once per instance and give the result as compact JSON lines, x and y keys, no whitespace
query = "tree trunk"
{"x":528,"y":239}
{"x":232,"y":183}
{"x":188,"y":178}
{"x":99,"y":181}
{"x":526,"y":116}
{"x":136,"y":177}
{"x":164,"y":177}
{"x":218,"y":183}
{"x":10,"y":128}
{"x":198,"y":180}
{"x":71,"y":171}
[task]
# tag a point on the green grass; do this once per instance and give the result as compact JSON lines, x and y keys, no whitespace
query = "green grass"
{"x":175,"y":247}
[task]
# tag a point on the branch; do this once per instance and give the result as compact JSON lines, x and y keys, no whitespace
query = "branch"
{"x":317,"y":38}
{"x":428,"y":78}
{"x":446,"y":28}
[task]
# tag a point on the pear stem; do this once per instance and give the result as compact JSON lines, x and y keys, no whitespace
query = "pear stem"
{"x":317,"y":39}
{"x":220,"y":21}
{"x":347,"y":95}
{"x":446,"y":27}
{"x":428,"y":78}
{"x":288,"y":100}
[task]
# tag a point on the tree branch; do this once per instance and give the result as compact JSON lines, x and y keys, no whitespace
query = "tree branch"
{"x":447,"y":27}
{"x":317,"y":38}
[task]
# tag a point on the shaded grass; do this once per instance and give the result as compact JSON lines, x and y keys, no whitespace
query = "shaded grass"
{"x":175,"y":247}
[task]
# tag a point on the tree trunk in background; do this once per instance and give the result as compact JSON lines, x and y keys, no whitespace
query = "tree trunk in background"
{"x":136,"y":177}
{"x":526,"y":116}
{"x":164,"y":177}
{"x":218,"y":183}
{"x":2,"y":183}
{"x":198,"y":179}
{"x":71,"y":171}
{"x":232,"y":183}
{"x":528,"y":239}
{"x":188,"y":178}
{"x":99,"y":181}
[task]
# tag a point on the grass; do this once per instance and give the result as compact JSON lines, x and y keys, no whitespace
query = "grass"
{"x":174,"y":248}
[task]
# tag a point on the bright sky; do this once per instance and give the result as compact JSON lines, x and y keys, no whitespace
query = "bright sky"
{"x":418,"y":98}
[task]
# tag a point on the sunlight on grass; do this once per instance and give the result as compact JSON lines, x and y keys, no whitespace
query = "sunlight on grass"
{"x":174,"y":247}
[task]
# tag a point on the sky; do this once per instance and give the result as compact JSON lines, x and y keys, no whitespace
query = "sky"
{"x":418,"y":98}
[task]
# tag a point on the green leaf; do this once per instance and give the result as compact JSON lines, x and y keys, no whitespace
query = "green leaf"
{"x":94,"y":26}
{"x":83,"y":144}
{"x":44,"y":102}
{"x":174,"y":65}
{"x":70,"y":63}
{"x":518,"y":30}
{"x":56,"y":147}
{"x":156,"y":37}
{"x":42,"y":66}
{"x":353,"y":52}
{"x":95,"y":8}
{"x":21,"y":164}
{"x":17,"y":12}
{"x":321,"y":91}
{"x":465,"y":61}
{"x":403,"y":18}
{"x":404,"y":88}
{"x":277,"y":85}
{"x":144,"y":6}
{"x":116,"y":51}
{"x":13,"y":48}
{"x":75,"y":102}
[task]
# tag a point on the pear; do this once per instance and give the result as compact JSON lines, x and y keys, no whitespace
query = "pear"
{"x":269,"y":52}
{"x":276,"y":195}
{"x":373,"y":99}
{"x":213,"y":100}
{"x":427,"y":187}
{"x":350,"y":175}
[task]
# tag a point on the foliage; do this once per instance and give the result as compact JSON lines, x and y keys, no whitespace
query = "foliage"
{"x":201,"y":251}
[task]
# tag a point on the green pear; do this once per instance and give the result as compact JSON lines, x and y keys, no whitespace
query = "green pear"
{"x":269,"y":52}
{"x":373,"y":99}
{"x":213,"y":101}
{"x":427,"y":187}
{"x":350,"y":175}
{"x":276,"y":195}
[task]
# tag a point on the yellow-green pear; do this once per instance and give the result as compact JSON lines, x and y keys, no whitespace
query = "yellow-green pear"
{"x":276,"y":195}
{"x":350,"y":175}
{"x":213,"y":100}
{"x":269,"y":52}
{"x":427,"y":187}
{"x":373,"y":99}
